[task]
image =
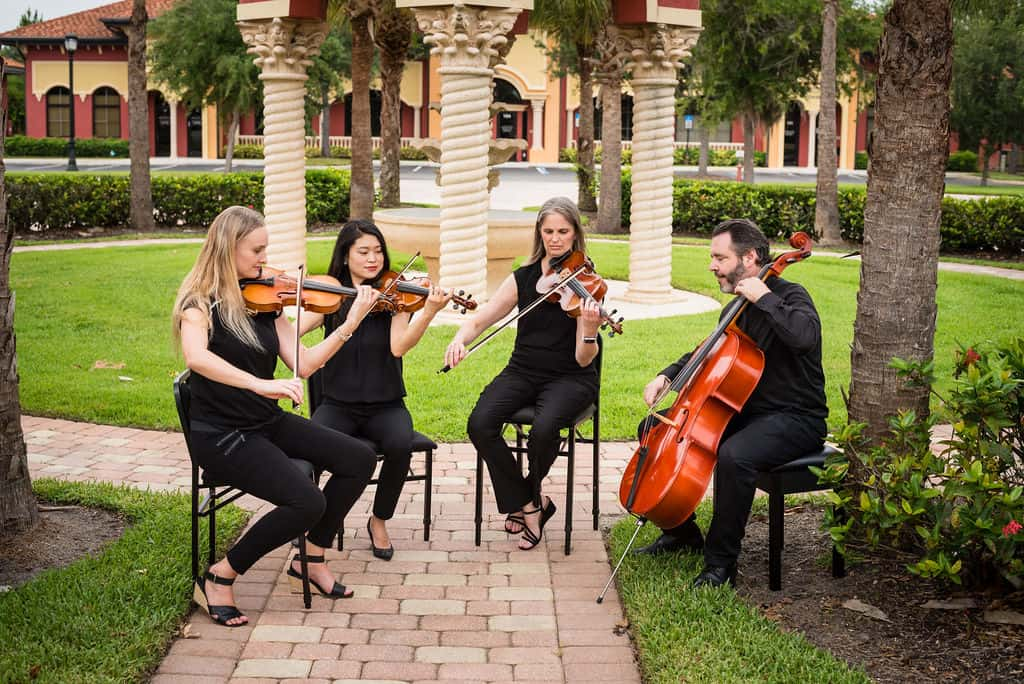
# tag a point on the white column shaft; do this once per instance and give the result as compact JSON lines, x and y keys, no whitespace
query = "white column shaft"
{"x":416,"y":121}
{"x":173,"y":104}
{"x":538,"y":124}
{"x":812,"y":144}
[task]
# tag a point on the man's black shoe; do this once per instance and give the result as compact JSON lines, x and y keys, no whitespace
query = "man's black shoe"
{"x":715,"y":576}
{"x":667,"y":544}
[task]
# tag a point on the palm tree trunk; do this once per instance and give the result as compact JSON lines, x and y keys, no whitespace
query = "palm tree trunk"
{"x":361,"y":193}
{"x":325,"y":122}
{"x":18,"y":510}
{"x":585,"y":145}
{"x":229,"y":149}
{"x":393,"y":35}
{"x":986,"y":152}
{"x":826,"y":208}
{"x":705,"y":149}
{"x":138,"y":121}
{"x":896,"y":303}
{"x":609,"y":212}
{"x":748,"y":147}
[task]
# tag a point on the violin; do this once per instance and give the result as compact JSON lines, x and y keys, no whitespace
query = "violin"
{"x":410,"y":294}
{"x":274,"y":289}
{"x":584,"y":287}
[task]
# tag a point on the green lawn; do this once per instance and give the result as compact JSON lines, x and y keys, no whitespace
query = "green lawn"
{"x":79,"y":312}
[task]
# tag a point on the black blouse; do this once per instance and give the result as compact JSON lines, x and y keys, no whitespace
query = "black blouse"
{"x":364,"y":371}
{"x":233,"y":407}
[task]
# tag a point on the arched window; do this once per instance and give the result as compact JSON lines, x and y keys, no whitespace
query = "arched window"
{"x":58,"y":112}
{"x":106,"y":113}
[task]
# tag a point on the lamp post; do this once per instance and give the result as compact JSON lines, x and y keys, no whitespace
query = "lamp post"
{"x":71,"y":44}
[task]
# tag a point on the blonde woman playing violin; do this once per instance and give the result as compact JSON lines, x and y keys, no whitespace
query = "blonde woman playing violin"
{"x":551,"y":367}
{"x":239,"y":434}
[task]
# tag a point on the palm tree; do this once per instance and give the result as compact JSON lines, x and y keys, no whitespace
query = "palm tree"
{"x":393,"y":34}
{"x":138,"y":120}
{"x":826,"y":208}
{"x":576,"y":24}
{"x":361,"y":192}
{"x":609,"y":68}
{"x":18,"y":510}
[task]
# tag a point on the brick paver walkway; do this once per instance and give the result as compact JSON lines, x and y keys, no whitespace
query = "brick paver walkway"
{"x":442,"y":610}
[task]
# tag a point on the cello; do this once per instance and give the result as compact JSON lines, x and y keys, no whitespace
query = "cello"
{"x":668,"y":474}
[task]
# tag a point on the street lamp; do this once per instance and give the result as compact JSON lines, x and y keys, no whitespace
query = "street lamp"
{"x":71,"y":44}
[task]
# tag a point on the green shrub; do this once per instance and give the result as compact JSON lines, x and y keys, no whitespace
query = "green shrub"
{"x":24,"y":146}
{"x":964,"y":160}
{"x":860,"y":160}
{"x":245,"y":151}
{"x":957,"y":514}
{"x":54,"y":201}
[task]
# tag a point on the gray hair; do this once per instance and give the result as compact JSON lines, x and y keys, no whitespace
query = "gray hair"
{"x":567,"y":209}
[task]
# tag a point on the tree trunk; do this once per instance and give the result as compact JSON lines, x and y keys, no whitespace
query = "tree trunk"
{"x":585,"y":145}
{"x":986,"y":152}
{"x":609,"y":212}
{"x":361,"y":192}
{"x":705,"y":150}
{"x":748,"y":147}
{"x":18,"y":510}
{"x":138,"y":120}
{"x":826,"y":208}
{"x":393,"y":35}
{"x":325,"y":122}
{"x":896,"y":302}
{"x":1013,"y":162}
{"x":229,"y":149}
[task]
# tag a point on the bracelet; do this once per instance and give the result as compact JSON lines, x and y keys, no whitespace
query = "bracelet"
{"x":589,"y":340}
{"x":342,"y":336}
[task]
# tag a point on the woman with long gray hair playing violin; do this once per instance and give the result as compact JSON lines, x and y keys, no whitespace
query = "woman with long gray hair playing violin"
{"x":551,"y":367}
{"x":238,"y":433}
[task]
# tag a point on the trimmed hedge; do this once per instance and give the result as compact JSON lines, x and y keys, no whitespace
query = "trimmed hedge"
{"x":24,"y":146}
{"x":995,"y":224}
{"x":256,"y":152}
{"x":38,"y":202}
{"x":964,"y":160}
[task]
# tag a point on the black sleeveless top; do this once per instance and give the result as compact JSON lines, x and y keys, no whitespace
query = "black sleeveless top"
{"x":232,"y":407}
{"x":545,"y":337}
{"x":364,"y":371}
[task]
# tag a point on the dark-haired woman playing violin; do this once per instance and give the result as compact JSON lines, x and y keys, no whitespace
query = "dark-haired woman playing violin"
{"x":551,"y":367}
{"x":363,"y":385}
{"x":239,"y":435}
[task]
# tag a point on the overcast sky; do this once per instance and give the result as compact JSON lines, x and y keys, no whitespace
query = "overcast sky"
{"x":12,"y":10}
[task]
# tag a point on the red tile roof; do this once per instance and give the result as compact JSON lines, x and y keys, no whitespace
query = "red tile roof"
{"x":87,"y":23}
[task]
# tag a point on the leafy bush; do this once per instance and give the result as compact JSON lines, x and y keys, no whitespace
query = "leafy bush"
{"x":245,"y":151}
{"x":24,"y":146}
{"x":860,"y":160}
{"x":964,"y":160}
{"x":958,"y":513}
{"x":54,"y":201}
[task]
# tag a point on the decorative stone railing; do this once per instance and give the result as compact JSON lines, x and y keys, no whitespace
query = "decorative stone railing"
{"x":628,"y":145}
{"x":342,"y":141}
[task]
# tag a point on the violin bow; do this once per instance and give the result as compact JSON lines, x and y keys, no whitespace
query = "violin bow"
{"x":532,"y":305}
{"x":298,"y":325}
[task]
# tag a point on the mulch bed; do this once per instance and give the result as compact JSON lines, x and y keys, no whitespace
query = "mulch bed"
{"x":915,"y":644}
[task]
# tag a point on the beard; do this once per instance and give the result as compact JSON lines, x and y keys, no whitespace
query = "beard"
{"x":727,"y":282}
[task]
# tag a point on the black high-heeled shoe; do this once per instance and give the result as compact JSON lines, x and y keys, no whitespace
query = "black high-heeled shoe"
{"x":338,"y":591}
{"x":515,"y":518}
{"x":546,"y":514}
{"x":384,"y":553}
{"x":219,"y":614}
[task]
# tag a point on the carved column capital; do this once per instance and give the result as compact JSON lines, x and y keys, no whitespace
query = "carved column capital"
{"x":467,"y":35}
{"x":283,"y":47}
{"x":657,"y":48}
{"x":612,"y":51}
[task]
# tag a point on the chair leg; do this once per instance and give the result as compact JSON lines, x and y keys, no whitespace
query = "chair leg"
{"x":428,"y":488}
{"x":776,"y":531}
{"x":195,"y":528}
{"x":212,"y":543}
{"x":838,"y":560}
{"x":307,"y":599}
{"x":341,"y":535}
{"x":570,"y":469}
{"x":478,"y":515}
{"x":596,"y":442}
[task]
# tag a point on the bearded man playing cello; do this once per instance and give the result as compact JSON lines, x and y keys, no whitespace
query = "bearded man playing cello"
{"x":782,"y":420}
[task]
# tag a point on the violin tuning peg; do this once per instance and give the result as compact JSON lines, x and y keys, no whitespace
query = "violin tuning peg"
{"x":613,"y":312}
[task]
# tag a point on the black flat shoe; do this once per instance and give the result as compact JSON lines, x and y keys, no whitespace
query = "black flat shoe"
{"x":668,"y":544}
{"x":384,"y":553}
{"x":219,"y":614}
{"x":715,"y":576}
{"x":338,"y":591}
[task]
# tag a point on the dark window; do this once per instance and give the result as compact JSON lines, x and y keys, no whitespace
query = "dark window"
{"x":106,"y":113}
{"x":58,"y":112}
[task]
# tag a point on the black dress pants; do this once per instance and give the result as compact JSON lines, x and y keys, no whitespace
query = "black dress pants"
{"x":389,"y":426}
{"x":750,"y":444}
{"x":259,"y":463}
{"x":558,"y":400}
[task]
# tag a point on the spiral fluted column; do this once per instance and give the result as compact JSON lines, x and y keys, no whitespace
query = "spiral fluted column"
{"x":654,"y":53}
{"x":469,"y":41}
{"x":283,"y":49}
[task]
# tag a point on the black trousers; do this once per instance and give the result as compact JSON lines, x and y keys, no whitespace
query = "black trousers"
{"x":750,"y":444}
{"x":260,"y":464}
{"x":389,"y":426}
{"x":558,"y":400}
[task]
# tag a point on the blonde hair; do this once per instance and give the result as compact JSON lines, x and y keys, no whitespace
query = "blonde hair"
{"x":566,"y":208}
{"x":213,"y":281}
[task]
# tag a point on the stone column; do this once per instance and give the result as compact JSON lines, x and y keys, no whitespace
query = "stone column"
{"x":469,"y":41}
{"x":655,"y":51}
{"x":812,"y":143}
{"x":416,"y":121}
{"x":538,"y":124}
{"x":283,"y":49}
{"x":173,"y":105}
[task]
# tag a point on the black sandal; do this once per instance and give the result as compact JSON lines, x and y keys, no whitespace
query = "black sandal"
{"x":219,"y":614}
{"x":546,"y":514}
{"x":515,"y":518}
{"x":338,"y":591}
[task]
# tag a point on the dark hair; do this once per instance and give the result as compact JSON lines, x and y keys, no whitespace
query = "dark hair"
{"x":745,"y":236}
{"x":350,"y":232}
